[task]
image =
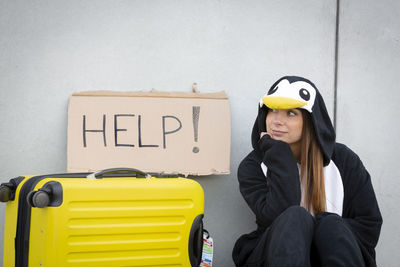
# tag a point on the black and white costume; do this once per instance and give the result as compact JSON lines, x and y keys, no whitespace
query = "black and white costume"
{"x":287,"y":235}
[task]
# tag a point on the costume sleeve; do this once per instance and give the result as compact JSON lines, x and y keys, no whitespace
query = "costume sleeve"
{"x":360,"y":207}
{"x":270,"y":196}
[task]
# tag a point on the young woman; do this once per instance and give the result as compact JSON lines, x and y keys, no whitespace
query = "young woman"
{"x":312,"y":197}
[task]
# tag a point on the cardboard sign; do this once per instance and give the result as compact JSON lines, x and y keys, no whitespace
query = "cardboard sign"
{"x":163,"y":132}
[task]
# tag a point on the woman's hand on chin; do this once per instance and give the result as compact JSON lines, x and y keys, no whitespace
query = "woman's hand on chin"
{"x":264,"y":133}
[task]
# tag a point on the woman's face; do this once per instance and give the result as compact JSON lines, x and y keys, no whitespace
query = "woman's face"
{"x":285,"y":125}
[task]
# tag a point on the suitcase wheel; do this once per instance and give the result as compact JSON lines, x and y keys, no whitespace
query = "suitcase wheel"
{"x":196,"y":241}
{"x":39,"y":199}
{"x":51,"y":194}
{"x":5,"y":192}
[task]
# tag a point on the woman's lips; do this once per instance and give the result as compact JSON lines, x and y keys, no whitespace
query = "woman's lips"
{"x":278,"y":133}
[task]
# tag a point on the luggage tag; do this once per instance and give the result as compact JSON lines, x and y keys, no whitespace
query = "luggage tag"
{"x":208,"y":250}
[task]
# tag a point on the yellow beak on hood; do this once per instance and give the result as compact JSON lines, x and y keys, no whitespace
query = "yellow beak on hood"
{"x":279,"y":102}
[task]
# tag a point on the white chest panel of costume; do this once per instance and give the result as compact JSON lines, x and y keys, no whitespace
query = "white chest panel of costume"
{"x":334,"y":191}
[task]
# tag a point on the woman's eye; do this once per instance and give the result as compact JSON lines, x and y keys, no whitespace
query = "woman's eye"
{"x":292,"y":113}
{"x":274,"y":110}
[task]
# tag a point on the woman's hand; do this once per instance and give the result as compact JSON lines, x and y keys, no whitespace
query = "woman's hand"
{"x":265,"y":141}
{"x":264,"y":133}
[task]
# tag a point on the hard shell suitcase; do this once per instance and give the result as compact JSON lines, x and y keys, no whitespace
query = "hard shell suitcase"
{"x":117,"y":217}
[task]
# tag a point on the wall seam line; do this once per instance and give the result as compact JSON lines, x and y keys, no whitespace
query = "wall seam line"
{"x":336,"y":65}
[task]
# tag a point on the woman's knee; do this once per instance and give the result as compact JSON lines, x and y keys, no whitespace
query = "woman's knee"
{"x":335,"y":243}
{"x":290,"y":237}
{"x":332,"y":227}
{"x":297,"y":210}
{"x":330,"y":222}
{"x":294,"y":223}
{"x":296,"y":216}
{"x":297,"y":213}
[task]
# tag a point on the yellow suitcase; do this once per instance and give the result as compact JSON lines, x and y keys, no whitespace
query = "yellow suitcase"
{"x":116,"y":217}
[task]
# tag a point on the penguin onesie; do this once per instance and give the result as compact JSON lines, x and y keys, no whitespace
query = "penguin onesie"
{"x":269,"y":179}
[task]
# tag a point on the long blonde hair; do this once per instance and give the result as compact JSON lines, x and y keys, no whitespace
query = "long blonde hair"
{"x":312,"y":168}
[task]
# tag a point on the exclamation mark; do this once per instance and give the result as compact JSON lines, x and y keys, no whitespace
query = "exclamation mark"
{"x":196,"y":114}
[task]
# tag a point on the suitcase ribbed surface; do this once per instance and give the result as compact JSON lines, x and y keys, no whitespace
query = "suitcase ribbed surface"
{"x":117,"y":234}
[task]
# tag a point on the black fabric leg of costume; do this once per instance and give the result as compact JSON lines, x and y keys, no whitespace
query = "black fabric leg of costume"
{"x":334,"y":243}
{"x":288,"y":241}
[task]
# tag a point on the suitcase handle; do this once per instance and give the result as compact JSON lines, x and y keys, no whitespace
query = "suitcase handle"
{"x":102,"y":173}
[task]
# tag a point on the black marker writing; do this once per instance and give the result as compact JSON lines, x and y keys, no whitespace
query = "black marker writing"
{"x":94,"y":131}
{"x":196,"y":115}
{"x":169,"y":132}
{"x":116,"y":130}
{"x":140,"y":133}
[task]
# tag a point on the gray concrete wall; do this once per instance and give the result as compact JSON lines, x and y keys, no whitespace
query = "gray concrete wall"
{"x":50,"y":49}
{"x":368,"y":97}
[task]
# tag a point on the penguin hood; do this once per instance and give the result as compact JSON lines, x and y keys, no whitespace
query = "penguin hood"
{"x":296,"y":92}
